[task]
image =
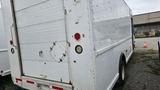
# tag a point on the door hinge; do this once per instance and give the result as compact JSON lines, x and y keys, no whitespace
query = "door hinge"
{"x":69,"y":44}
{"x":65,"y":12}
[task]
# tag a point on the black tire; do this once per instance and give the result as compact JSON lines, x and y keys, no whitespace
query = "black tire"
{"x":2,"y":86}
{"x":158,"y":51}
{"x":122,"y":73}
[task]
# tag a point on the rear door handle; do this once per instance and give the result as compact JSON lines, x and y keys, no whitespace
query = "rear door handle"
{"x":12,"y":37}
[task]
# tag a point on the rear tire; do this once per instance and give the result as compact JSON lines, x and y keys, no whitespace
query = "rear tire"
{"x":2,"y":85}
{"x":158,"y":51}
{"x":122,"y":73}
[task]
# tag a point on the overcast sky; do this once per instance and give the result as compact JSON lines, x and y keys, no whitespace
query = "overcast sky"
{"x":143,"y":6}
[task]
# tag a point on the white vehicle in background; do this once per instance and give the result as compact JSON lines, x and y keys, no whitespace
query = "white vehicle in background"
{"x":68,"y":44}
{"x":4,"y":57}
{"x":159,"y":46}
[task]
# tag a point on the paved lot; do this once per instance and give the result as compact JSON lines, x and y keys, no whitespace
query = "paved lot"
{"x":143,"y":71}
{"x":6,"y":84}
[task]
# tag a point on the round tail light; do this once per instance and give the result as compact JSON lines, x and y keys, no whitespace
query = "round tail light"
{"x":77,"y":36}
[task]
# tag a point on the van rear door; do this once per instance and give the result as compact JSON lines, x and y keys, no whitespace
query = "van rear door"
{"x":42,"y":39}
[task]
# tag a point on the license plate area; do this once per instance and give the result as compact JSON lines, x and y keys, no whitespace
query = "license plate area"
{"x":43,"y":87}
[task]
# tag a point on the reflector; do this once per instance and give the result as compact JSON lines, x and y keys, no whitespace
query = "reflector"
{"x":18,"y":80}
{"x":57,"y":88}
{"x":79,"y":49}
{"x":31,"y":82}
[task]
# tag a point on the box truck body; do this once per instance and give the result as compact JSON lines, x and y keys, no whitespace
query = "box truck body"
{"x":4,"y":57}
{"x":68,"y":44}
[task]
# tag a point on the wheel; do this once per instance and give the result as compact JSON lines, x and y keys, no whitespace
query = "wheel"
{"x":122,"y":73}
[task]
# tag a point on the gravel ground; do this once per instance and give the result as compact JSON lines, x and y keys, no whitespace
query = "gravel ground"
{"x":7,"y":84}
{"x":143,"y":73}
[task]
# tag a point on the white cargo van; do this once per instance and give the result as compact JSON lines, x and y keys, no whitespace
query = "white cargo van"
{"x":4,"y":58}
{"x":68,"y":44}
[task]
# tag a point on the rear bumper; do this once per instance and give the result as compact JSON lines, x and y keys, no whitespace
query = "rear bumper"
{"x":4,"y":73}
{"x":39,"y":84}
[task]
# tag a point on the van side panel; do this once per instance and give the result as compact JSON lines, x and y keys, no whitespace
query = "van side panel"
{"x":107,"y":65}
{"x":112,"y":36}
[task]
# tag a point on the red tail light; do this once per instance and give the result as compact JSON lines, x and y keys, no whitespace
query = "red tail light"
{"x":18,"y":80}
{"x":77,"y":36}
{"x":30,"y":82}
{"x":57,"y":88}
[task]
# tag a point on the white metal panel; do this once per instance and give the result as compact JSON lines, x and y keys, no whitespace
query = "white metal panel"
{"x":43,"y":13}
{"x":31,"y":52}
{"x":23,"y":4}
{"x":107,"y":65}
{"x":50,"y":70}
{"x":112,"y":36}
{"x":4,"y":63}
{"x":3,"y":44}
{"x":113,"y":10}
{"x":111,"y":31}
{"x":42,"y":36}
{"x":82,"y":65}
{"x":4,"y":58}
{"x":48,"y":32}
{"x":113,"y":26}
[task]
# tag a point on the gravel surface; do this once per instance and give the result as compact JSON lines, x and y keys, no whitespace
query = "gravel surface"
{"x":143,"y":73}
{"x":7,"y":84}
